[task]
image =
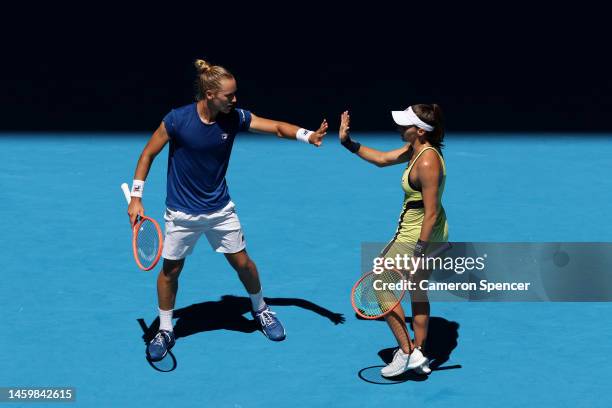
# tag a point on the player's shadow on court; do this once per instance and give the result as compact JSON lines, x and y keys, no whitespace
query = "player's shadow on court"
{"x":441,"y":341}
{"x":228,"y":313}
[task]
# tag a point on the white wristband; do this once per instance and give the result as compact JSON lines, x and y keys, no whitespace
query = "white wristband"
{"x":137,"y":187}
{"x":303,"y":135}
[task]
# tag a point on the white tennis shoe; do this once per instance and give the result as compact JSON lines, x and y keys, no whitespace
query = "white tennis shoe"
{"x":423,"y":368}
{"x":403,"y":362}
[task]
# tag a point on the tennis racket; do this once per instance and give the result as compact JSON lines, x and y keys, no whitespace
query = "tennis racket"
{"x":146,"y":238}
{"x":376,"y":294}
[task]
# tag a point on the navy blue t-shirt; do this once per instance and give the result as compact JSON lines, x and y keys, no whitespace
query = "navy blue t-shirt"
{"x":198,"y":158}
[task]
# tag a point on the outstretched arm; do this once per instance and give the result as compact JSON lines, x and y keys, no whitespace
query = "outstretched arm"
{"x":287,"y":130}
{"x":376,"y":157}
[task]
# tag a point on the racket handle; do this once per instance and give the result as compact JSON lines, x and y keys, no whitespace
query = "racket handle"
{"x":126,"y":192}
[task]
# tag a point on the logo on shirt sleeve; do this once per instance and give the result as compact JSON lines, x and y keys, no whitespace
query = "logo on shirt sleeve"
{"x":224,"y":136}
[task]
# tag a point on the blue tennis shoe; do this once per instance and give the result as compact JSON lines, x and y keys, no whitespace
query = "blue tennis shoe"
{"x":160,"y":345}
{"x":269,"y":323}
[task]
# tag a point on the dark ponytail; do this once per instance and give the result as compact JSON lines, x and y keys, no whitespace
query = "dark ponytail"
{"x":432,"y":115}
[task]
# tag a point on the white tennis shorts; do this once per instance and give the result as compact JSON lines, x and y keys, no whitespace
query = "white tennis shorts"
{"x":222,"y":229}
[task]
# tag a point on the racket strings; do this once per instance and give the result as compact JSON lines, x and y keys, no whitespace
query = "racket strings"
{"x":374,"y":297}
{"x":147,"y":242}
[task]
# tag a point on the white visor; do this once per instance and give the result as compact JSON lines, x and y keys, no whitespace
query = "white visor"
{"x":409,"y":118}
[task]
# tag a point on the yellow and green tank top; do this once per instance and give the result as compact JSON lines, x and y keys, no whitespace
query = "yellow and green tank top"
{"x":411,"y":217}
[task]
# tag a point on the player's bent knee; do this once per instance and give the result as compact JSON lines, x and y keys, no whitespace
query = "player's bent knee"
{"x":245,"y":266}
{"x":172,"y":268}
{"x":241,"y":262}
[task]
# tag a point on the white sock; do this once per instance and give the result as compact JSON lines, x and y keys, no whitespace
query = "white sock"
{"x":257,"y":301}
{"x":165,"y":320}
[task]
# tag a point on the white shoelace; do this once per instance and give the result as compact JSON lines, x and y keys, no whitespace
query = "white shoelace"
{"x":265,"y":317}
{"x":159,"y":339}
{"x":398,"y":360}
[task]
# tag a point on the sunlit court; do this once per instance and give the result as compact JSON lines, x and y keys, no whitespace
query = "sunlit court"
{"x":262,"y":205}
{"x":78,"y":309}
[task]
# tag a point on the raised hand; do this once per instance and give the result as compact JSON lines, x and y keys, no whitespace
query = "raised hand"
{"x":316,"y":138}
{"x":345,"y":122}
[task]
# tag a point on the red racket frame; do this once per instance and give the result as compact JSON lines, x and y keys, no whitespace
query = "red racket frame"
{"x":135,"y":240}
{"x":380,"y":315}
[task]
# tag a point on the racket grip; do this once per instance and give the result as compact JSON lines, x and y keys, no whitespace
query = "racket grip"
{"x":126,"y":192}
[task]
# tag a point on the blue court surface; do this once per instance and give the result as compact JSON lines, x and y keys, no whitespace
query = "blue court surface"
{"x":75,"y":307}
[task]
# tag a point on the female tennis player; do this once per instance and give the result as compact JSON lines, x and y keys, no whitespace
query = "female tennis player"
{"x":201,"y":136}
{"x":422,"y":219}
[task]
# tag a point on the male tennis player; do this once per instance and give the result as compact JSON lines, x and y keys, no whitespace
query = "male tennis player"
{"x":201,"y":136}
{"x":422,"y":218}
